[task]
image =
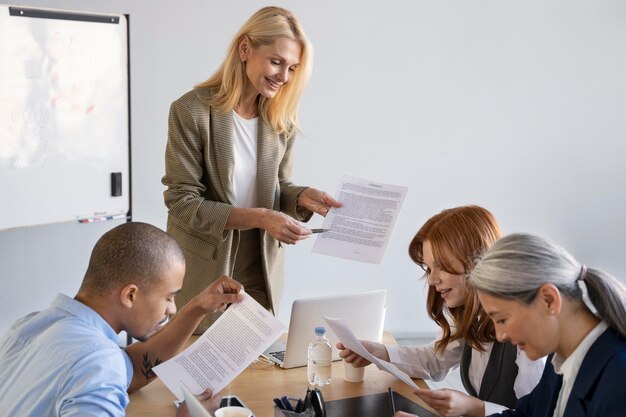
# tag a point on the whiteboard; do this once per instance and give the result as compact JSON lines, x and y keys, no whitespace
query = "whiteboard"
{"x":64,"y":116}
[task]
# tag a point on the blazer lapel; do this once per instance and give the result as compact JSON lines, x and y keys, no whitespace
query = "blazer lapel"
{"x":222,"y":138}
{"x":492,"y":372}
{"x":466,"y":359}
{"x":590,"y":370}
{"x":268,"y":147}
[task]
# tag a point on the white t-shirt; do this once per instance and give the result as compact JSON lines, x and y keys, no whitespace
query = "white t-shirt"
{"x":245,"y":147}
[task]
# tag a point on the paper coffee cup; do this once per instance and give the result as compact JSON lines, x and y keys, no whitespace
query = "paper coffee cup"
{"x":353,"y":374}
{"x":233,"y":412}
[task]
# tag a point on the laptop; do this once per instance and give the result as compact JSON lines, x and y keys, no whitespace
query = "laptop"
{"x":364,"y":312}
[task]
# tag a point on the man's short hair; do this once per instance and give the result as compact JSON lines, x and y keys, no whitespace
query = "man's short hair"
{"x":132,"y":253}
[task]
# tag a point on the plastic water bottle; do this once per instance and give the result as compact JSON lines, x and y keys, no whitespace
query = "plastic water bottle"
{"x":319,"y":365}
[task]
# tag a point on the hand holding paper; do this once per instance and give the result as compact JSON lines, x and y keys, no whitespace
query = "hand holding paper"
{"x":343,"y":333}
{"x":234,"y":341}
{"x":360,"y":230}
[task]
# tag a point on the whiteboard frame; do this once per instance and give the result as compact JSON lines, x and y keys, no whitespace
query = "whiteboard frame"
{"x":113,"y":209}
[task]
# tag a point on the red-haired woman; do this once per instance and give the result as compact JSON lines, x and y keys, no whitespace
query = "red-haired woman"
{"x":494,"y":374}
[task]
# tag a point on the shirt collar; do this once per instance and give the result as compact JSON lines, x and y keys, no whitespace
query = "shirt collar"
{"x":570,"y":365}
{"x":86,"y":314}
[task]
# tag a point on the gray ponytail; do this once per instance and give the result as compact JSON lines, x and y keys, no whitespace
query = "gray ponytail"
{"x":517,"y":265}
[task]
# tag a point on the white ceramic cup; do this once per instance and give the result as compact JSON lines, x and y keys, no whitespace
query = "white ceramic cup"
{"x":233,"y":412}
{"x":352,"y":374}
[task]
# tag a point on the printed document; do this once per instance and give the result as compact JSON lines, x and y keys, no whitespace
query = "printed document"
{"x":361,"y":228}
{"x":349,"y":340}
{"x":233,"y":342}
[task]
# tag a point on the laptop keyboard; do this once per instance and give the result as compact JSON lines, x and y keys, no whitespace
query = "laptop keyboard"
{"x":280,"y":355}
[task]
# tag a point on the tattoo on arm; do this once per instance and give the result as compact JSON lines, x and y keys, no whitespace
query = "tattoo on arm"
{"x":147,"y":365}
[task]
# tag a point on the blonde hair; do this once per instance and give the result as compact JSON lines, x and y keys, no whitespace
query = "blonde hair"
{"x":461,"y":233}
{"x":263,"y":28}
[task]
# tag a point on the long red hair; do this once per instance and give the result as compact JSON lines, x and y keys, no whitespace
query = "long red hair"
{"x":462,"y":233}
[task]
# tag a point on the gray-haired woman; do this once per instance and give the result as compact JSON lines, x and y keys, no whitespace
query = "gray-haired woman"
{"x":543,"y":300}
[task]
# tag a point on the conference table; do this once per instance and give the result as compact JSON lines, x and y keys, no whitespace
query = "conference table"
{"x":260,"y":382}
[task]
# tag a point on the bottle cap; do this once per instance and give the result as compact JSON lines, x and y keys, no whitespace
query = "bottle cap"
{"x":320,"y":331}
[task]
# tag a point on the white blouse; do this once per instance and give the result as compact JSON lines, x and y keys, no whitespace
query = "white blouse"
{"x":245,"y":148}
{"x":422,"y":362}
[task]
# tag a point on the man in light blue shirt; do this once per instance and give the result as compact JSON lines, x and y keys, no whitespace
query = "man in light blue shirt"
{"x":65,"y":360}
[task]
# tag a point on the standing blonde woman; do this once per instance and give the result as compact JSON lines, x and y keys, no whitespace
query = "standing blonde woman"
{"x":232,"y":204}
{"x":494,"y":374}
{"x":546,"y":302}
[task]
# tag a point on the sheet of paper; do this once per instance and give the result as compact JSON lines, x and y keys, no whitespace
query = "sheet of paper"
{"x":361,"y":229}
{"x":233,"y":342}
{"x":349,"y":340}
{"x":195,"y":407}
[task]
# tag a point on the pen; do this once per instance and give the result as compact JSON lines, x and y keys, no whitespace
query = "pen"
{"x":393,"y":404}
{"x":102,"y":218}
{"x":319,"y":230}
{"x":307,"y":399}
{"x":299,"y":407}
{"x":279,"y":403}
{"x":286,"y":404}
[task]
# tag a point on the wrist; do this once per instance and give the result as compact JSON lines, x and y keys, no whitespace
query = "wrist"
{"x":300,"y":194}
{"x":261,"y":217}
{"x":478,"y":409}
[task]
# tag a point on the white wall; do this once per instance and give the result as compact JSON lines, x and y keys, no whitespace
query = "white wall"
{"x":516,"y":106}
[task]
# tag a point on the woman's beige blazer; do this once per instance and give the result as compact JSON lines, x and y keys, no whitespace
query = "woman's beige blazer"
{"x":199,"y":163}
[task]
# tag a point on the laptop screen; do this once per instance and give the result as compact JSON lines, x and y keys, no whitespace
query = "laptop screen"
{"x":364,"y":312}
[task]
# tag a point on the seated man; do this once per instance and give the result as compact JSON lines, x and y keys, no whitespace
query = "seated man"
{"x":65,"y":360}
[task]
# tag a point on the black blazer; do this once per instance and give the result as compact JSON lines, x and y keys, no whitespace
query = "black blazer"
{"x":497,"y":385}
{"x":599,"y":389}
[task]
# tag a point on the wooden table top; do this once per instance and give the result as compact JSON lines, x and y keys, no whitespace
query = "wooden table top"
{"x":258,"y":384}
